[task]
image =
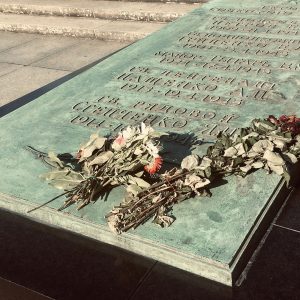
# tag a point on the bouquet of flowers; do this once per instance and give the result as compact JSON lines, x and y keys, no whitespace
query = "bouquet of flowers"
{"x":133,"y":157}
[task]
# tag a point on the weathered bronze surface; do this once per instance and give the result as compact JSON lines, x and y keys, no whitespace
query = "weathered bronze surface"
{"x":213,"y":70}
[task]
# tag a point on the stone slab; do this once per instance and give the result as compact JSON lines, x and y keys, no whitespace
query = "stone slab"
{"x":36,"y":50}
{"x":85,"y":52}
{"x":9,"y":41}
{"x":274,"y":274}
{"x":12,"y":291}
{"x":289,"y":217}
{"x":213,"y":70}
{"x":26,"y":79}
{"x":8,"y":68}
{"x":64,"y":266}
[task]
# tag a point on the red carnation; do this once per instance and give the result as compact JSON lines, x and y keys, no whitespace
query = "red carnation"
{"x":290,"y":124}
{"x":154,"y":166}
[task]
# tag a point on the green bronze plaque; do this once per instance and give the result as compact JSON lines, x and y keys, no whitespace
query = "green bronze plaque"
{"x":211,"y":71}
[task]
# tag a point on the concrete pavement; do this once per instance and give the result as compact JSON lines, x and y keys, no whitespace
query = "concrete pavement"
{"x":30,"y":61}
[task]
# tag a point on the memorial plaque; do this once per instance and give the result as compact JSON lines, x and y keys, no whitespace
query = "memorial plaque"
{"x":211,"y":71}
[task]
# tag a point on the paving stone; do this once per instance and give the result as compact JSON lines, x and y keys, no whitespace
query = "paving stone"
{"x":275,"y":272}
{"x":12,"y":291}
{"x":10,"y":40}
{"x":65,"y":266}
{"x":24,"y":80}
{"x":165,"y":282}
{"x":6,"y":68}
{"x":273,"y":275}
{"x":79,"y":55}
{"x":290,"y":216}
{"x":36,"y":50}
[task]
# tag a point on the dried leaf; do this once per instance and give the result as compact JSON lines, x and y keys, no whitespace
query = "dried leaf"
{"x":252,"y":154}
{"x":258,"y":165}
{"x":190,"y":162}
{"x":133,"y":189}
{"x":205,"y":163}
{"x":112,"y":222}
{"x":164,"y":220}
{"x":264,"y":125}
{"x":196,"y":182}
{"x":139,"y":181}
{"x":230,"y":152}
{"x":202,"y":183}
{"x":262,"y":145}
{"x":138,"y":151}
{"x":157,"y":198}
{"x":63,"y":179}
{"x":273,"y":158}
{"x":139,"y":174}
{"x":99,"y":142}
{"x":275,"y":168}
{"x":240,"y":149}
{"x":94,"y":143}
{"x":280,"y":144}
{"x":53,"y":158}
{"x":287,"y":177}
{"x":250,"y":135}
{"x":246,"y":168}
{"x":290,"y":157}
{"x":101,"y":158}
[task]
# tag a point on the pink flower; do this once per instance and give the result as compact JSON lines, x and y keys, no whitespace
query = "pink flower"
{"x":120,"y":140}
